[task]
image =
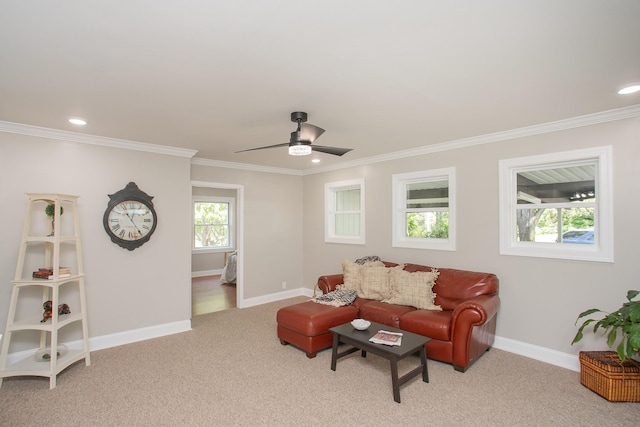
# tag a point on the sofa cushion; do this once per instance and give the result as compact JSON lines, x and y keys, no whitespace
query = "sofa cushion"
{"x":352,"y":274}
{"x":412,"y":288}
{"x":310,"y":319}
{"x":432,"y":324}
{"x":387,"y":314}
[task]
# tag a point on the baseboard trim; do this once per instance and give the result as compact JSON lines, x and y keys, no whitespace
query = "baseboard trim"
{"x":278,"y":296}
{"x":116,"y":339}
{"x":204,"y":273}
{"x":553,"y":357}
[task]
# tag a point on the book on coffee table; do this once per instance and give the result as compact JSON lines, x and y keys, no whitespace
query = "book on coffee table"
{"x":387,"y":338}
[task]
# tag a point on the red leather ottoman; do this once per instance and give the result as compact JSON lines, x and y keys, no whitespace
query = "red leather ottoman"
{"x":306,"y":325}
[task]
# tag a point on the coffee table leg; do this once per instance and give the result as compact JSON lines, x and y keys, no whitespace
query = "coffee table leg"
{"x":334,"y":351}
{"x":423,"y":360}
{"x":394,"y":380}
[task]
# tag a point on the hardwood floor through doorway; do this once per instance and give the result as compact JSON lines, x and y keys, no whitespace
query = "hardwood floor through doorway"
{"x":209,"y":295}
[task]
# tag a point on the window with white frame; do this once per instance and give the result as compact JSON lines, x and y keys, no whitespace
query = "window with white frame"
{"x":558,"y":205}
{"x":213,"y":223}
{"x":344,"y":212}
{"x":424,"y":209}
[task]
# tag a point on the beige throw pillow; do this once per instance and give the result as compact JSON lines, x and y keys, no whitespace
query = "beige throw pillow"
{"x":414,"y":289}
{"x":375,"y":283}
{"x":352,"y":274}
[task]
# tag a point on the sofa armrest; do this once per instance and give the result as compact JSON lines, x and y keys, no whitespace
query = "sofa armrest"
{"x":328,"y":283}
{"x":484,"y":306}
{"x":473,"y":328}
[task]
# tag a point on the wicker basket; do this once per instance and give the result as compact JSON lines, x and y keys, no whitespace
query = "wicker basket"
{"x":604,"y":373}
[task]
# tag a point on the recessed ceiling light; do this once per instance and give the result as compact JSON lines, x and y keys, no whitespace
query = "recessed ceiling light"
{"x":315,"y":161}
{"x":79,"y":122}
{"x":629,"y":89}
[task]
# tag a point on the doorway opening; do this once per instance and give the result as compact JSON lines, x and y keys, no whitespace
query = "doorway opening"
{"x":210,"y":290}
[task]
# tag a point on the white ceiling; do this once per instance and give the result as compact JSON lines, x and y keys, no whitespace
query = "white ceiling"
{"x":378,"y":76}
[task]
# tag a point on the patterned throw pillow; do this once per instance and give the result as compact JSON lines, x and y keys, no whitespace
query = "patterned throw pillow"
{"x":352,"y":274}
{"x":414,"y":289}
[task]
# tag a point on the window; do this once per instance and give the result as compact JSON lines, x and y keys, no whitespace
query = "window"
{"x":344,"y":212}
{"x":424,"y":209}
{"x":558,"y":205}
{"x":212,"y":223}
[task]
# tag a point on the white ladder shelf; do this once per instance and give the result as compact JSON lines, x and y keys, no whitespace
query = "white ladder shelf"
{"x":47,"y":248}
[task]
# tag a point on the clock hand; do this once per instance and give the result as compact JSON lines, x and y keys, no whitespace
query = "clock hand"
{"x":134,"y":224}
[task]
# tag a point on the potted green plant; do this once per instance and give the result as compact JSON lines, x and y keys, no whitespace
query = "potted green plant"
{"x":50,"y":210}
{"x":621,"y":326}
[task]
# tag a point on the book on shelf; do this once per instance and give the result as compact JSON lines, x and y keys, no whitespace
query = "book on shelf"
{"x":387,"y":338}
{"x":47,"y":273}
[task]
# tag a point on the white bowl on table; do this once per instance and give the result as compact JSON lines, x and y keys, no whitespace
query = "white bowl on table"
{"x":360,"y":324}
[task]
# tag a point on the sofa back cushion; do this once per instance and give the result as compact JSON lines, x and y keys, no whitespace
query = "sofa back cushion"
{"x":453,"y":286}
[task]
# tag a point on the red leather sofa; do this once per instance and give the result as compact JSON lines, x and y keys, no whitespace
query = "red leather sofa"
{"x":460,"y":333}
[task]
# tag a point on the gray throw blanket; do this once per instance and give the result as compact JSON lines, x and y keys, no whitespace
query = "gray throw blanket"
{"x":337,"y":298}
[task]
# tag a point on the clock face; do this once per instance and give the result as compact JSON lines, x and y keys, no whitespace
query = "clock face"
{"x":130,"y":220}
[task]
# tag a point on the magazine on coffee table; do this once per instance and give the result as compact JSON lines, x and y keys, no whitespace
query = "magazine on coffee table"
{"x":387,"y":338}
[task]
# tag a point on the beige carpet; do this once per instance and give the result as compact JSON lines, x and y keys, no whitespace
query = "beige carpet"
{"x":232,"y":370}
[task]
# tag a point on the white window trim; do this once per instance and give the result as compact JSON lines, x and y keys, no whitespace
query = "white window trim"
{"x":398,"y":183}
{"x":602,"y":249}
{"x":330,"y":190}
{"x":232,"y":236}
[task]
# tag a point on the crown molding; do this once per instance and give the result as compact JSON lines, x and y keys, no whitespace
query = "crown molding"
{"x":574,"y":122}
{"x":84,"y":138}
{"x":571,"y":123}
{"x":244,"y":166}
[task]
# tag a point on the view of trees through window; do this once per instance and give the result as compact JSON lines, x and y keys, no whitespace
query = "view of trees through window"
{"x":557,"y":204}
{"x":211,"y":225}
{"x":427,"y":209}
{"x":428,"y":225}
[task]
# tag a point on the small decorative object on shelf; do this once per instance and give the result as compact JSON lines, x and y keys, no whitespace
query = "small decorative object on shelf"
{"x":48,"y":312}
{"x":50,"y":210}
{"x":44,"y":354}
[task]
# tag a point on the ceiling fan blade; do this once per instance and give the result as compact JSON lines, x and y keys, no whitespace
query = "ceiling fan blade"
{"x":310,"y":132}
{"x":286,"y":144}
{"x":331,"y":150}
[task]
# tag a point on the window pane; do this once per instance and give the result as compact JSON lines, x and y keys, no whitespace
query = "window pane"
{"x":430,"y":194}
{"x":211,"y":236}
{"x":559,"y":185}
{"x":211,"y":224}
{"x":561,"y":225}
{"x":347,"y":224}
{"x":348,"y":200}
{"x":427,"y":225}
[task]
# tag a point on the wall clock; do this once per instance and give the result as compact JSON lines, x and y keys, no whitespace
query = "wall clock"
{"x":130,"y":218}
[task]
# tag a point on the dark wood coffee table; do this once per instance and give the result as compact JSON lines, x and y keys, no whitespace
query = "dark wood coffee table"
{"x":359,"y":340}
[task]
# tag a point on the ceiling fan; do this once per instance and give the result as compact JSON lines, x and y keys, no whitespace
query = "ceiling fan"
{"x":300,"y":143}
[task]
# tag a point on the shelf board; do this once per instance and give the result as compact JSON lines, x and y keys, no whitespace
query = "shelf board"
{"x":47,"y":326}
{"x":30,"y":367}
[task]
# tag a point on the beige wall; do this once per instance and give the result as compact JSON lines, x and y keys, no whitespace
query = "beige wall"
{"x":126,"y":290}
{"x":541,"y":298}
{"x":272,"y":216}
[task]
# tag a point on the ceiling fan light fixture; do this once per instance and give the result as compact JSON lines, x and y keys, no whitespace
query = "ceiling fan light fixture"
{"x":299,"y":150}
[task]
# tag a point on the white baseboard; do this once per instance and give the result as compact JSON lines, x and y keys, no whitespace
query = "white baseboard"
{"x":290,"y":293}
{"x":116,"y":339}
{"x":204,"y":273}
{"x":553,"y":357}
